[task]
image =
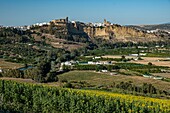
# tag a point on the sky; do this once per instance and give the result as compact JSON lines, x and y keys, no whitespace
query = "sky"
{"x":124,"y":12}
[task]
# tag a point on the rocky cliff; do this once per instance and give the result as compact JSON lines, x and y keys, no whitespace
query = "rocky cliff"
{"x":119,"y":33}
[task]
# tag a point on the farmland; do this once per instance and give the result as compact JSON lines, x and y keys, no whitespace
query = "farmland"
{"x":68,"y":100}
{"x":113,"y":83}
{"x":95,"y":78}
{"x":9,"y":65}
{"x":159,"y":61}
{"x":167,"y":75}
{"x":103,"y":81}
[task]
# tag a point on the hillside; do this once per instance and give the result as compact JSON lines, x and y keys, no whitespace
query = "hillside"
{"x":157,"y":27}
{"x":67,"y":37}
{"x":165,"y":26}
{"x":84,"y":33}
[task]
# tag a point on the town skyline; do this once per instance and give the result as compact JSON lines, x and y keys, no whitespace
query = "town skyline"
{"x":129,"y":12}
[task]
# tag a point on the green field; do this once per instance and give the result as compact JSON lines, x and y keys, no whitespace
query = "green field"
{"x":151,"y":52}
{"x":98,"y":79}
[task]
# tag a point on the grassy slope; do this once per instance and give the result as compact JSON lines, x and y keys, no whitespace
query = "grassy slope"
{"x":106,"y":79}
{"x":94,"y":78}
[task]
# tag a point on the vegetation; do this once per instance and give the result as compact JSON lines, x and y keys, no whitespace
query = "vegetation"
{"x":32,"y":48}
{"x":43,"y":72}
{"x":22,"y":97}
{"x":126,"y":48}
{"x":91,"y":58}
{"x":137,"y":69}
{"x":114,"y":83}
{"x":20,"y":47}
{"x":141,"y":67}
{"x":62,"y":33}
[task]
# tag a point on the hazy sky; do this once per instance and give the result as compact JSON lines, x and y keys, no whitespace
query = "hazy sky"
{"x":25,"y":12}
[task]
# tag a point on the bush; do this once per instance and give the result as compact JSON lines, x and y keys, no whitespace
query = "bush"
{"x":68,"y":85}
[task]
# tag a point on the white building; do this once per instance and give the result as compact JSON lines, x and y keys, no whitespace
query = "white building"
{"x":98,"y":24}
{"x":96,"y":57}
{"x":41,"y":24}
{"x":0,"y":70}
{"x":147,"y":76}
{"x":104,"y":71}
{"x":134,"y":55}
{"x":99,"y":63}
{"x":142,"y":54}
{"x":106,"y":62}
{"x":67,"y":63}
{"x":91,"y":62}
{"x":158,"y":78}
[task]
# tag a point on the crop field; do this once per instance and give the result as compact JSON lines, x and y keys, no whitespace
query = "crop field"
{"x":9,"y":65}
{"x":154,"y":60}
{"x":158,"y":61}
{"x":167,"y":75}
{"x":41,"y":98}
{"x":95,"y":78}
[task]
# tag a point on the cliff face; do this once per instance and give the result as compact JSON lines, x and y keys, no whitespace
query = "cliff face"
{"x":128,"y":32}
{"x":117,"y":32}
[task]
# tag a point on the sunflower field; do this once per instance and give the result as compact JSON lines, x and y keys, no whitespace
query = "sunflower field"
{"x":33,"y":98}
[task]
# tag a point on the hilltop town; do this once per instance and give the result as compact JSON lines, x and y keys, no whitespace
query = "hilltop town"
{"x":105,"y":30}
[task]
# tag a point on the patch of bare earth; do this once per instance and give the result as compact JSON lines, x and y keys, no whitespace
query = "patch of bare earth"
{"x":154,"y":60}
{"x":166,"y":75}
{"x":9,"y":65}
{"x":62,"y":43}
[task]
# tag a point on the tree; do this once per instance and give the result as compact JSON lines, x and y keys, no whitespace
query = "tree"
{"x":123,"y":58}
{"x":12,"y":73}
{"x":41,"y":71}
{"x":51,"y":77}
{"x":149,"y":64}
{"x":109,"y":67}
{"x":25,"y":65}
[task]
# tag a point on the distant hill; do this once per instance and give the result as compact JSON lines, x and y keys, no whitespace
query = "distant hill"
{"x":165,"y":26}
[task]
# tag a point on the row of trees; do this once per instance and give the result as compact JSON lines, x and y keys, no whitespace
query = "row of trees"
{"x":141,"y":67}
{"x":145,"y":89}
{"x":93,"y":67}
{"x":129,"y":87}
